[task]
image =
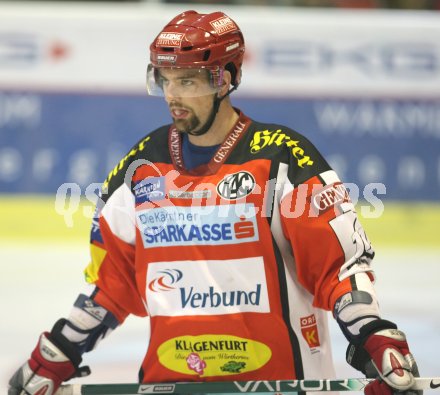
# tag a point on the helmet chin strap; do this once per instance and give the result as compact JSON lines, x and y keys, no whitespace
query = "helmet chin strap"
{"x":216,"y":105}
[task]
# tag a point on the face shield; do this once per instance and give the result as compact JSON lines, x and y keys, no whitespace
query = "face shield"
{"x":183,"y":82}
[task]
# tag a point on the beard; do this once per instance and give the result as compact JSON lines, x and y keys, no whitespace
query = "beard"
{"x":192,"y":124}
{"x":187,"y":125}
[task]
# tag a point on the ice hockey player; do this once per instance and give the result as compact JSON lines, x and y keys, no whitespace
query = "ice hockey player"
{"x":234,"y":237}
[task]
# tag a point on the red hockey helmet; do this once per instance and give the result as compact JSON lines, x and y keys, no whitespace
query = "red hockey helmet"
{"x":199,"y":41}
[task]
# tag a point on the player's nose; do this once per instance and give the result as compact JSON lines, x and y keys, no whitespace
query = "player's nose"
{"x":171,"y":92}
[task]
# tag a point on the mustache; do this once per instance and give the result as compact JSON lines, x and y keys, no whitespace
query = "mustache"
{"x":178,"y":106}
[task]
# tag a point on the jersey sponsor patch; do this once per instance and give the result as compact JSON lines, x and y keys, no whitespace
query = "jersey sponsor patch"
{"x":197,"y":225}
{"x":328,"y":197}
{"x":213,"y":355}
{"x":149,"y":190}
{"x":198,"y":194}
{"x":213,"y":287}
{"x":309,"y":330}
{"x":266,"y":138}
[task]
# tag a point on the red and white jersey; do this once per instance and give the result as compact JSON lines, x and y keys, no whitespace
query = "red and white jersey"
{"x":235,"y":262}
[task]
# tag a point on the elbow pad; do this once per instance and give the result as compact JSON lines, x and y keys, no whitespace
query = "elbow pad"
{"x":88,"y":323}
{"x":357,"y":308}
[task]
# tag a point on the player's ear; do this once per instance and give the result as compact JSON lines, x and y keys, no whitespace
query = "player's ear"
{"x":226,"y":83}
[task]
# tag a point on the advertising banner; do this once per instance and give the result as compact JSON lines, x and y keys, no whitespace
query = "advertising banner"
{"x":363,"y":86}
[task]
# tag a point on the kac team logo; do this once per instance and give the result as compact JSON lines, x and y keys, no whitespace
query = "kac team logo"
{"x":236,"y":186}
{"x":167,"y":280}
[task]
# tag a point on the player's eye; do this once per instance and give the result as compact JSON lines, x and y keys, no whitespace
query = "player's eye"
{"x":186,"y":82}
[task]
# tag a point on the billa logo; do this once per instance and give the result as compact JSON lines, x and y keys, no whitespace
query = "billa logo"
{"x":309,"y":330}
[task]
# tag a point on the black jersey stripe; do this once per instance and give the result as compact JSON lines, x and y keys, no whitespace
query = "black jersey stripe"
{"x":296,"y":350}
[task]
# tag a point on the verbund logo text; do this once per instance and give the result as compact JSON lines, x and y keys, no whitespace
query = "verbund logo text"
{"x":185,"y":288}
{"x":194,"y":299}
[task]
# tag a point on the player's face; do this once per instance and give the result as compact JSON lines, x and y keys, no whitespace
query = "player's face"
{"x":189,"y":96}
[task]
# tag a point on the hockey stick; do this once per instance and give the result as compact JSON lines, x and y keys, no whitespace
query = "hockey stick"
{"x":234,"y":387}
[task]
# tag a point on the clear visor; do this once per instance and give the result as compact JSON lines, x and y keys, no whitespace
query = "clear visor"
{"x":183,"y":82}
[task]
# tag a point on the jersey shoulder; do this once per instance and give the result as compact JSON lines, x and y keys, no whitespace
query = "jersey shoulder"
{"x":152,"y":148}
